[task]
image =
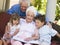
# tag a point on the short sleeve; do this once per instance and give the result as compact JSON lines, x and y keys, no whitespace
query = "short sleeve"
{"x":18,"y":27}
{"x":53,"y":32}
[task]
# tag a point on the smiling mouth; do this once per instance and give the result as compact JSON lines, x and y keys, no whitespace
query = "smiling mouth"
{"x":29,"y":19}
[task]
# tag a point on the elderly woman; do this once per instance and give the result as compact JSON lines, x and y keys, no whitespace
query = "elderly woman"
{"x":27,"y":28}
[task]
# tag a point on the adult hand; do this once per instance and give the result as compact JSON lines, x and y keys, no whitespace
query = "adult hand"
{"x":28,"y":39}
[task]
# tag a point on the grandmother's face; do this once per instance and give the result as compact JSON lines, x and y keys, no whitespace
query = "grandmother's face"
{"x":29,"y":16}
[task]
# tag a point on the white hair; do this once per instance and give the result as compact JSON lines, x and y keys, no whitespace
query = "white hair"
{"x":28,"y":1}
{"x":32,"y":9}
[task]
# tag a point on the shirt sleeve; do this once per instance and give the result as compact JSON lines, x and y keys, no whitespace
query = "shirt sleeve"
{"x":53,"y":32}
{"x":18,"y":27}
{"x":13,"y":9}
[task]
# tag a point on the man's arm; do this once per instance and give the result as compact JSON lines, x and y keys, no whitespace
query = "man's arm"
{"x":58,"y":35}
{"x":13,"y":9}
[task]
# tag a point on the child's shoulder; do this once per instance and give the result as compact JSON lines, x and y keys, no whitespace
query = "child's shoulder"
{"x":45,"y":27}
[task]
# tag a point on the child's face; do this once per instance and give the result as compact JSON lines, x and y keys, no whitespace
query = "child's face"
{"x":38,"y":23}
{"x":15,"y":22}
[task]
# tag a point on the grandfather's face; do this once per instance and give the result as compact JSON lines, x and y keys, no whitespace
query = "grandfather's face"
{"x":29,"y":16}
{"x":23,"y":6}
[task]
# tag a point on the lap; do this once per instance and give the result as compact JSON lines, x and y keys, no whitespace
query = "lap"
{"x":44,"y":43}
{"x":14,"y":42}
{"x":0,"y":42}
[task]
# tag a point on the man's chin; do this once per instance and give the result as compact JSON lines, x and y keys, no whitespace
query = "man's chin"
{"x":23,"y":10}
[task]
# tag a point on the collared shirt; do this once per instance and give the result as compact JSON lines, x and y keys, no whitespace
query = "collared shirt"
{"x":46,"y":33}
{"x":16,"y":9}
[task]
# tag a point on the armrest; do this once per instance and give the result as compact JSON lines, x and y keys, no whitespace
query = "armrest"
{"x":4,"y":18}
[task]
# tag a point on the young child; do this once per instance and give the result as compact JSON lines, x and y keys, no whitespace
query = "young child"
{"x":45,"y":32}
{"x":12,"y":28}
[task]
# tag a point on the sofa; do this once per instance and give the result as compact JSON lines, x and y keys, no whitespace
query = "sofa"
{"x":4,"y":18}
{"x":55,"y":40}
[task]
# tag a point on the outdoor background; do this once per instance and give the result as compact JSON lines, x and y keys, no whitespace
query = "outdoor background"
{"x":40,"y":5}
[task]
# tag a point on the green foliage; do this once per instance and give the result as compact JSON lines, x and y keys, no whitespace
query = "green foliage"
{"x":41,"y":7}
{"x":57,"y":10}
{"x":37,"y":4}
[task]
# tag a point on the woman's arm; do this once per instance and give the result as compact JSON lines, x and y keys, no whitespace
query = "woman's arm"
{"x":34,"y":36}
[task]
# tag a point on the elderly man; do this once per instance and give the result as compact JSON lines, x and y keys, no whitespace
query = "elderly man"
{"x":20,"y":8}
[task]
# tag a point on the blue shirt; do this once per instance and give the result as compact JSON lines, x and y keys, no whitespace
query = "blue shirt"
{"x":16,"y":9}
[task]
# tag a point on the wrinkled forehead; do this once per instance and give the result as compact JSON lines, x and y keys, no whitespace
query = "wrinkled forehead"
{"x":27,"y":2}
{"x":23,"y":2}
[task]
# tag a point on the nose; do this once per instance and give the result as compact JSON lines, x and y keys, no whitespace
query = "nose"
{"x":23,"y":8}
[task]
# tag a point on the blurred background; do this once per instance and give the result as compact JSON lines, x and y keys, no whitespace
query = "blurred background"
{"x":40,"y":5}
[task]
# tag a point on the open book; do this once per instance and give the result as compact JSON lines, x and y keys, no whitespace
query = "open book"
{"x":32,"y":41}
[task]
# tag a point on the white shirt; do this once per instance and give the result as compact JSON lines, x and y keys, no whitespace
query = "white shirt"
{"x":14,"y":28}
{"x":46,"y":33}
{"x":26,"y":30}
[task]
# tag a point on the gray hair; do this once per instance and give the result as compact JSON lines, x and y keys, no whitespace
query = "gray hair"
{"x":32,"y":9}
{"x":28,"y":1}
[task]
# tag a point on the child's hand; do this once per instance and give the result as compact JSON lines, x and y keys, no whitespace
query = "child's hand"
{"x":28,"y":39}
{"x":8,"y":36}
